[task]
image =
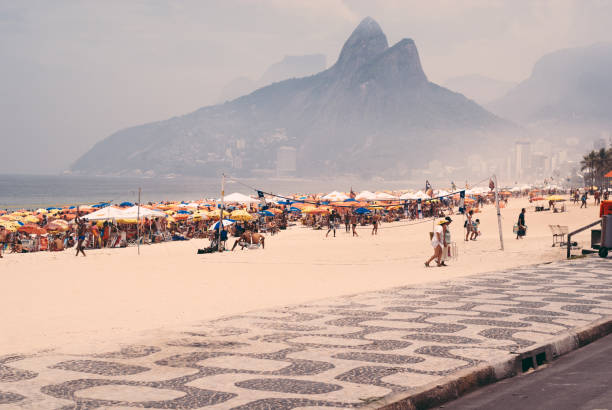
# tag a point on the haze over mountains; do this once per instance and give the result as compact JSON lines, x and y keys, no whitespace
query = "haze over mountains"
{"x":479,"y":88}
{"x":373,"y":112}
{"x":288,"y":67}
{"x":569,"y":89}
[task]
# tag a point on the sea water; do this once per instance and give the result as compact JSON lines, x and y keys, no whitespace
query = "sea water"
{"x":36,"y":191}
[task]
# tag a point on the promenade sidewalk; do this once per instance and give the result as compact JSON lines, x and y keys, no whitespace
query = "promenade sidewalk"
{"x":367,"y":349}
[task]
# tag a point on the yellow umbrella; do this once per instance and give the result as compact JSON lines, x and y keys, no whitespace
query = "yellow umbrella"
{"x":31,"y":219}
{"x":241,"y":215}
{"x":555,"y":198}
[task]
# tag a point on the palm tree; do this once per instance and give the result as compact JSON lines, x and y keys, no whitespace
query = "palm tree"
{"x":588,"y":164}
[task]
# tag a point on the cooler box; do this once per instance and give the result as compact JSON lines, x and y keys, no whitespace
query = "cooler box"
{"x":605,"y":208}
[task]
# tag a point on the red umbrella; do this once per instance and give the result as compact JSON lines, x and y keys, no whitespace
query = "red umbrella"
{"x":32,"y":229}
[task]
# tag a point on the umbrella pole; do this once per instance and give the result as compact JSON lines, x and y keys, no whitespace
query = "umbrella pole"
{"x":221,"y":212}
{"x":138,"y":222}
{"x":499,"y":223}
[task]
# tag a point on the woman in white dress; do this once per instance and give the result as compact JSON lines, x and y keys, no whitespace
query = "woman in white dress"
{"x":437,"y":243}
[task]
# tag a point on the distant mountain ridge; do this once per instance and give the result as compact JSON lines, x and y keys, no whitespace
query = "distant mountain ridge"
{"x":288,"y":67}
{"x":567,"y":87}
{"x":373,"y":112}
{"x":479,"y":88}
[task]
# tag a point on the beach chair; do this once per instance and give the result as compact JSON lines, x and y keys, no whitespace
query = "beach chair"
{"x":558,"y":233}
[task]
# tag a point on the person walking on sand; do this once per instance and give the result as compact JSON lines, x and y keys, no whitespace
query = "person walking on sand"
{"x":354,"y":224}
{"x":375,"y":225}
{"x":437,"y":243}
{"x":347,"y":222}
{"x":522,"y":228}
{"x":80,"y":233}
{"x":469,"y":224}
{"x":584,"y":200}
{"x":331,"y":223}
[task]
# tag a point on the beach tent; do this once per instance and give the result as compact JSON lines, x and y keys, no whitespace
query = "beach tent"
{"x":335,"y":196}
{"x":132,"y":213}
{"x":239,"y":198}
{"x":366,"y":196}
{"x":105,"y":214}
{"x":383,"y":196}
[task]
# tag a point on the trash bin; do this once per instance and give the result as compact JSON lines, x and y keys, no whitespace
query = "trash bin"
{"x":606,"y":235}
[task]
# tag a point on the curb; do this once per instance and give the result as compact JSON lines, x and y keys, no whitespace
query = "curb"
{"x":461,"y":383}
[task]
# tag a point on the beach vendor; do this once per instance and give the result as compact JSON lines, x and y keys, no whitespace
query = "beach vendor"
{"x":521,"y":227}
{"x":446,"y":249}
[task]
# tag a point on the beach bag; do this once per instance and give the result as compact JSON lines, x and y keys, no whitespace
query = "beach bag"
{"x":515,"y":228}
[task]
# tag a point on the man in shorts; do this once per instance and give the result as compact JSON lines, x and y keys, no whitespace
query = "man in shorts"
{"x":3,"y":235}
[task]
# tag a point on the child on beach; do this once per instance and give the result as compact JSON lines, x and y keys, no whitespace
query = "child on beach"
{"x":475,"y":231}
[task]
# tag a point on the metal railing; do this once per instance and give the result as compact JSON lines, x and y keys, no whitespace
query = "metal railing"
{"x":569,"y":235}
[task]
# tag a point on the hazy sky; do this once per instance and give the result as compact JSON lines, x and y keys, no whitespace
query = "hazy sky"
{"x":74,"y":71}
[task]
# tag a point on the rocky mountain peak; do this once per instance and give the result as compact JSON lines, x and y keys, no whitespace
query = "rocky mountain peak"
{"x":366,"y":41}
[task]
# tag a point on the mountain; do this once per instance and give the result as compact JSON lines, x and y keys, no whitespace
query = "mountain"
{"x":479,"y":88}
{"x":372,"y":113}
{"x":568,"y":87}
{"x":288,"y":67}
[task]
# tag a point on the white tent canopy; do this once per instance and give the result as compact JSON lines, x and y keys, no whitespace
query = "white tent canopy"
{"x":366,"y":195}
{"x":335,"y":196}
{"x":383,"y":196}
{"x":132,"y":213}
{"x":104,"y":214}
{"x":239,"y":198}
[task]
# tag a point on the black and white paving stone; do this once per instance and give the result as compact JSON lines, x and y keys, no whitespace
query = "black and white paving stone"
{"x":341,"y":352}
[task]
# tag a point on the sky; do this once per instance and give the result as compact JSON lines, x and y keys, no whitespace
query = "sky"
{"x":72,"y":72}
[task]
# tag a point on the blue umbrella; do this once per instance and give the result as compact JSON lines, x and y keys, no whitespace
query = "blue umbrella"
{"x":226,"y":222}
{"x":294,"y":209}
{"x":126,"y":204}
{"x":362,"y":211}
{"x":266,"y":213}
{"x":183,"y":212}
{"x":350,"y":200}
{"x":52,"y":208}
{"x":102,"y":205}
{"x":286,"y":202}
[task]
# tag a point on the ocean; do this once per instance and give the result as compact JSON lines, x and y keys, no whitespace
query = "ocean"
{"x":36,"y":191}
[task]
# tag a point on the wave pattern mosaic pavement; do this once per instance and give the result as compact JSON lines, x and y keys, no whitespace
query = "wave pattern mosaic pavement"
{"x":341,"y":352}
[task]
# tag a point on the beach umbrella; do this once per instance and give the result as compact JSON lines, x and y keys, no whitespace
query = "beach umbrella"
{"x":241,"y":215}
{"x":294,"y":209}
{"x":285,"y":202}
{"x":32,"y":229}
{"x":350,"y":200}
{"x":31,"y":219}
{"x":537,"y":198}
{"x":555,"y":198}
{"x":362,"y":211}
{"x":226,"y":222}
{"x":315,"y":210}
{"x":183,"y":212}
{"x":124,"y":204}
{"x":266,"y":213}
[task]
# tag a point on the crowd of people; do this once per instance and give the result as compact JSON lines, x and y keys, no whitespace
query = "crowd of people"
{"x":59,"y":229}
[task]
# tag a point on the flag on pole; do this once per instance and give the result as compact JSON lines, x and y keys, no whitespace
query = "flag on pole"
{"x":262,"y":200}
{"x":491,"y":184}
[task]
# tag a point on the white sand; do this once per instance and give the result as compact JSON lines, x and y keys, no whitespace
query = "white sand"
{"x":57,"y":300}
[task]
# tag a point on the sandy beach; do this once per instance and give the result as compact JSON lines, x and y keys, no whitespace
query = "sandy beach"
{"x":59,"y":301}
